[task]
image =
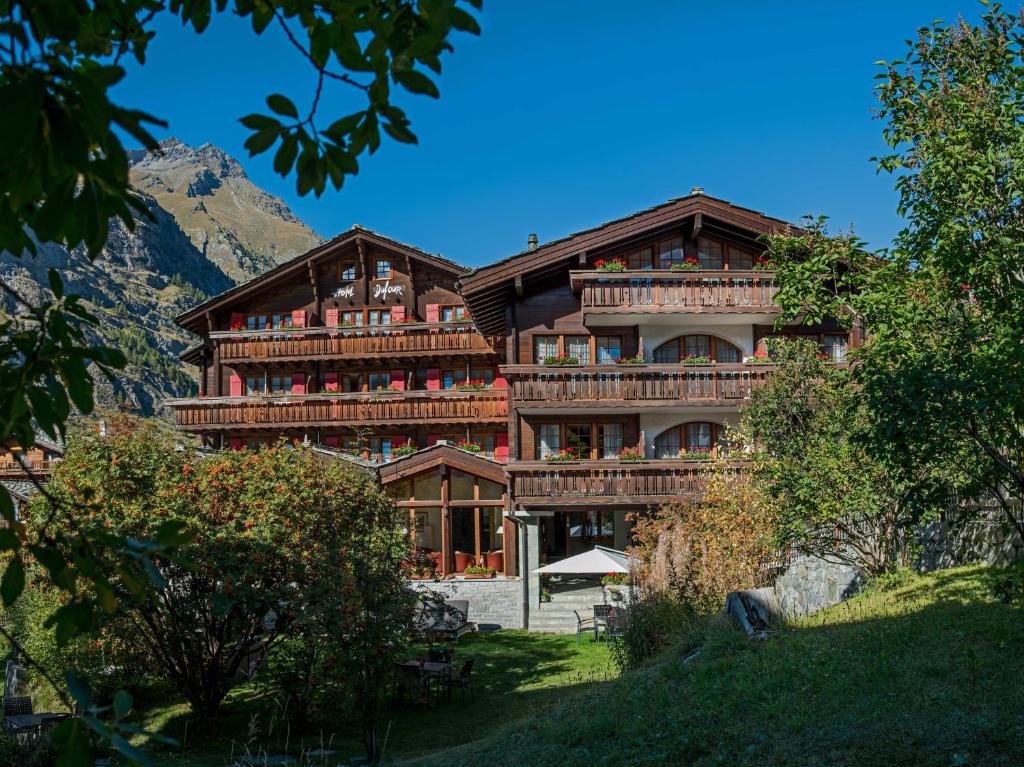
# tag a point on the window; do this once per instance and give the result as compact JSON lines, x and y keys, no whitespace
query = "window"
{"x":835,"y":347}
{"x":281,"y":384}
{"x":486,"y":442}
{"x":352,"y":318}
{"x":351,"y":383}
{"x":641,"y":259}
{"x":482,"y":374}
{"x":709,"y":253}
{"x":380,"y":316}
{"x":579,"y":347}
{"x":453,"y":313}
{"x":608,"y":348}
{"x":379,"y":381}
{"x":255,"y":384}
{"x":578,"y":438}
{"x":452,"y":378}
{"x":256,"y":322}
{"x":740,"y":260}
{"x":548,"y":439}
{"x":726,"y":352}
{"x":252,"y":443}
{"x":698,"y":436}
{"x":666,"y":444}
{"x":670,"y":252}
{"x":698,"y":346}
{"x":346,"y":271}
{"x":380,"y":447}
{"x":668,"y":352}
{"x":544,"y":346}
{"x":609,"y":437}
{"x":383,"y":269}
{"x":281,"y":320}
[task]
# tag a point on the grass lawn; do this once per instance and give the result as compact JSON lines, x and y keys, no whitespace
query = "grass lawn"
{"x":516,"y":674}
{"x":927,"y":675}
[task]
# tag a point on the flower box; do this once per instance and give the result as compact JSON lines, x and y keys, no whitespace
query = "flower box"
{"x":611,"y":265}
{"x":630,"y":361}
{"x":469,"y":447}
{"x":696,"y":359}
{"x":689,"y":264}
{"x":562,"y":359}
{"x":631,"y":455}
{"x":476,"y":572}
{"x":568,"y":455}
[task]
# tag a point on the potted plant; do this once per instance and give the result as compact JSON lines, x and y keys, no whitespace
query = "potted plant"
{"x":615,"y":584}
{"x":473,"y":384}
{"x":495,"y":560}
{"x":545,"y":595}
{"x":564,"y":455}
{"x":689,"y":264}
{"x":421,"y":566}
{"x":697,"y":359}
{"x":637,"y":360}
{"x":562,"y":359}
{"x":469,"y":446}
{"x":478,"y":572}
{"x":756,"y":360}
{"x":762,"y":263}
{"x":695,"y":454}
{"x":402,"y":450}
{"x":631,"y":455}
{"x":611,"y":265}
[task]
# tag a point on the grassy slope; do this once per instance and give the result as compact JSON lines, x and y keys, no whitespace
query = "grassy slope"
{"x":516,"y":674}
{"x":926,"y":675}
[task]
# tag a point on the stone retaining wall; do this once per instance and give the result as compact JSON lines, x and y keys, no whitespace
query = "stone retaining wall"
{"x":810,"y":584}
{"x":493,"y":603}
{"x":958,"y":539}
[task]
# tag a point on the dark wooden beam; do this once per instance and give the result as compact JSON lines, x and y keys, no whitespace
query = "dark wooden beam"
{"x":519,"y":285}
{"x":698,"y":222}
{"x":361,"y":247}
{"x":583,"y":259}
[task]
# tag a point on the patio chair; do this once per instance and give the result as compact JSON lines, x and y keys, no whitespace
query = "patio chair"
{"x":439,"y":655}
{"x":463,"y":680}
{"x":584,"y":624}
{"x":17,"y":706}
{"x":601,"y":613}
{"x":615,"y":625}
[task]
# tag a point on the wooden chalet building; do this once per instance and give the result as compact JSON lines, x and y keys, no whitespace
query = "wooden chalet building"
{"x":21,"y":468}
{"x":596,"y":373}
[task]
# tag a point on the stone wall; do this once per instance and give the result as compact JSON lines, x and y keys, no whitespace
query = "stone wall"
{"x":958,"y":539}
{"x":810,"y":584}
{"x":493,"y":603}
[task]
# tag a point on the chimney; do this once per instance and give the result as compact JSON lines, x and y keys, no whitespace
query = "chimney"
{"x":531,"y":242}
{"x":697,"y":190}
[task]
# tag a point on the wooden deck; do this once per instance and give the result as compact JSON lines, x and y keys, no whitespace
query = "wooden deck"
{"x":353,"y":409}
{"x":539,"y":483}
{"x":15,"y":470}
{"x":667,"y":291}
{"x":632,"y":386}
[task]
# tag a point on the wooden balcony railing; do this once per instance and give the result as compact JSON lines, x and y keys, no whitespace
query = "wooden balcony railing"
{"x":636,"y":385}
{"x":420,"y":339}
{"x":13,"y":469}
{"x":668,"y":291}
{"x":352,"y":409}
{"x":539,"y":482}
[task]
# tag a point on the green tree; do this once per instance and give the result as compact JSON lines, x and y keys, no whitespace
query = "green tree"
{"x":64,"y":176}
{"x":835,"y":498}
{"x":943,"y":368}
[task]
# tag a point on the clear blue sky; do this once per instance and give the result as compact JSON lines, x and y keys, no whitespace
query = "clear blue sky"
{"x":562,"y":115}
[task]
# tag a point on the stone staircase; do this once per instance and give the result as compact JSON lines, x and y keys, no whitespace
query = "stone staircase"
{"x":556,"y":616}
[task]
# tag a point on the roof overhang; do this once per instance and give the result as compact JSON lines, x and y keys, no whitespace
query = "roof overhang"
{"x":442,"y":454}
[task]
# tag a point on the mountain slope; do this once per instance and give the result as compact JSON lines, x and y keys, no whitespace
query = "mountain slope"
{"x":230,"y":220}
{"x":211,"y":227}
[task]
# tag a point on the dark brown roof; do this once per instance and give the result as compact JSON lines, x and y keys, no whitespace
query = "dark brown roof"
{"x":436,"y":455}
{"x":487,"y":289}
{"x":324,"y":250}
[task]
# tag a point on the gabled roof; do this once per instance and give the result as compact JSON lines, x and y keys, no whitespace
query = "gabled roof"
{"x":486,"y":290}
{"x":319,"y":253}
{"x":442,"y":454}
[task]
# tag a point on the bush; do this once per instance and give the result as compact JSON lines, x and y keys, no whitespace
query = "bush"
{"x":38,"y":754}
{"x":890,"y":580}
{"x":1008,"y":584}
{"x":652,"y":623}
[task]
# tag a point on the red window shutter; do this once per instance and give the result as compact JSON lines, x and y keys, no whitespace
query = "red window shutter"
{"x":331,"y":441}
{"x":235,"y":385}
{"x":298,"y":383}
{"x":332,"y":318}
{"x":398,"y":380}
{"x":501,"y":447}
{"x":299,"y":318}
{"x":330,"y":382}
{"x":433,"y":379}
{"x":432,"y":439}
{"x":397,"y":314}
{"x":398,"y":442}
{"x":433,"y":312}
{"x":499,"y":381}
{"x":235,"y":443}
{"x":761,"y":349}
{"x":237,"y":321}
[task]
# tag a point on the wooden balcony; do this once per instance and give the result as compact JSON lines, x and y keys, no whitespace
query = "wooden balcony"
{"x":15,"y":470}
{"x":654,"y":292}
{"x":539,"y":483}
{"x":350,"y":409}
{"x":632,"y":386}
{"x":386,"y":341}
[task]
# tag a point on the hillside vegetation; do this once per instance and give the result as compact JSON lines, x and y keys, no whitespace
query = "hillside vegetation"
{"x":928,"y":674}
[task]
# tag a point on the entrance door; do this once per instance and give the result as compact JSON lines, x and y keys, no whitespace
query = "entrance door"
{"x":586,"y":529}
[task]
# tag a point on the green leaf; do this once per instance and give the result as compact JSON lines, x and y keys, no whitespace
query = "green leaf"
{"x":122,"y":704}
{"x":79,"y":689}
{"x":259,"y":122}
{"x":262,"y":140}
{"x":72,"y":744}
{"x":282,"y":105}
{"x":56,"y":284}
{"x":416,"y":82}
{"x":13,"y":582}
{"x":400,"y":133}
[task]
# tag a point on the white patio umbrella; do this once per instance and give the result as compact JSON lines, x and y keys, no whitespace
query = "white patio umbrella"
{"x":598,"y":561}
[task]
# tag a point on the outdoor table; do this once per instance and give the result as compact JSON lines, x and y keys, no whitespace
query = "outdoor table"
{"x":427,"y":670}
{"x":30,"y":725}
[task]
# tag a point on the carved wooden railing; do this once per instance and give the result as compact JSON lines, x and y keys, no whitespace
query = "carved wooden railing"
{"x":537,"y":384}
{"x":662,"y":291}
{"x":553,"y":483}
{"x":415,"y":339}
{"x":349,"y":408}
{"x":9,"y":469}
